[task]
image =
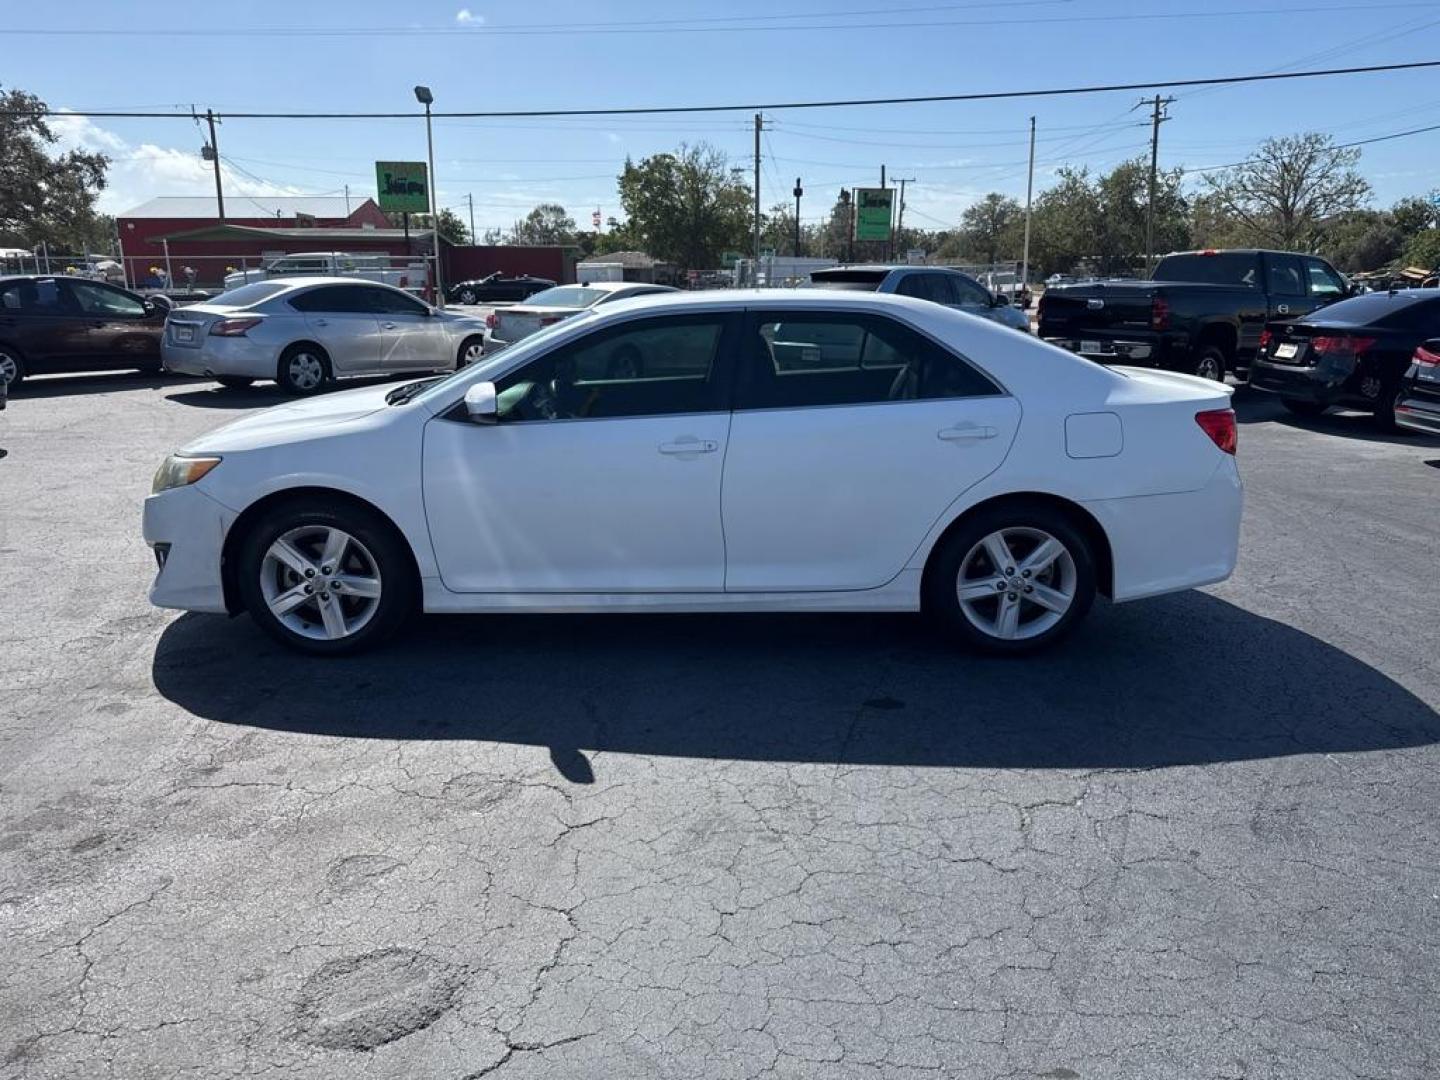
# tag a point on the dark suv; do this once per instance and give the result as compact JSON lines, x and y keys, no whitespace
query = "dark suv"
{"x":61,"y":324}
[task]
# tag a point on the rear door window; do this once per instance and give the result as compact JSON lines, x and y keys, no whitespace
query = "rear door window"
{"x":335,"y":300}
{"x":1222,"y":268}
{"x":808,"y":359}
{"x":1283,"y":276}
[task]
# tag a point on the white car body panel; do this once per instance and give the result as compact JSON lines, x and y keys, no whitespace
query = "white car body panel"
{"x":588,"y":516}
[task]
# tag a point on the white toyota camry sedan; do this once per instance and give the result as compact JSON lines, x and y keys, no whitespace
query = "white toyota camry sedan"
{"x":729,"y":451}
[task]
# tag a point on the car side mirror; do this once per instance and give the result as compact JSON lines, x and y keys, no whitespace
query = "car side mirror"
{"x":999,"y":300}
{"x":481,"y":404}
{"x":158,"y":305}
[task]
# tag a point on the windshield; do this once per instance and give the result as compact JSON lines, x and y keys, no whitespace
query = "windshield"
{"x":487,"y":369}
{"x":245,"y":295}
{"x":566,"y":296}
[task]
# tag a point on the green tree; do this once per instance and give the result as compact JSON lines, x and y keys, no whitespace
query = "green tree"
{"x":1124,"y":200}
{"x":44,"y":195}
{"x":547,"y":225}
{"x":687,"y":207}
{"x":1066,"y":223}
{"x":1415,"y":215}
{"x":1424,"y":250}
{"x":992,"y":228}
{"x":833,"y":239}
{"x":452,"y":228}
{"x":1361,"y":240}
{"x":1288,"y":188}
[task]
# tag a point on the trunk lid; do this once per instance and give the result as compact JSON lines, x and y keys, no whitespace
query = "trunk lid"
{"x":1100,"y":305}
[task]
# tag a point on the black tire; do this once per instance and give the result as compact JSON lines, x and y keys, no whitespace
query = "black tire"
{"x":964,"y":543}
{"x":1209,"y":363}
{"x":1383,"y":411}
{"x":475,"y":341}
{"x":379,"y":542}
{"x":290,"y":374}
{"x":1308,"y":409}
{"x":234,"y":382}
{"x":12,"y":366}
{"x":467,"y":296}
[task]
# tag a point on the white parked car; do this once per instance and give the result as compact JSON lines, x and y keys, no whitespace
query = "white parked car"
{"x":508,"y":325}
{"x":412,"y":274}
{"x":786,"y":451}
{"x":305,"y":332}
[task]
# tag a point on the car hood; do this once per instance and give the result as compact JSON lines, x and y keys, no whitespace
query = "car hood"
{"x":297,"y":421}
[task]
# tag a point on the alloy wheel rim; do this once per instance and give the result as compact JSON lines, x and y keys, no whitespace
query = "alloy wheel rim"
{"x":473,"y":353}
{"x":1016,"y":583}
{"x":8,"y":367}
{"x":1209,"y":368}
{"x":320,"y":582}
{"x":467,"y":297}
{"x":306,"y":371}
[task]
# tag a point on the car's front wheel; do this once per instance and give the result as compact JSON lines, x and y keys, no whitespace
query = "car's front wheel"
{"x":472,"y":351}
{"x":467,"y":296}
{"x":1012,"y":579}
{"x":326,"y":578}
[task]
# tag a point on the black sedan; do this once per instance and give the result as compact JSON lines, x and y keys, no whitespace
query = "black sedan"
{"x":62,"y":324}
{"x":496,"y":288}
{"x":1354,"y":353}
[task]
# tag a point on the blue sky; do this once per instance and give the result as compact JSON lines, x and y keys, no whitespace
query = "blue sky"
{"x":479,"y":55}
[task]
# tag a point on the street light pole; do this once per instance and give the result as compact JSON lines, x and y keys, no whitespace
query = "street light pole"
{"x":423,"y":95}
{"x":798,"y":192}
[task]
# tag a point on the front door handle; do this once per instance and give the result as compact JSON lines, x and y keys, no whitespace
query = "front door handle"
{"x":689,"y":446}
{"x":967,"y":433}
{"x":388,"y":325}
{"x":322,"y":322}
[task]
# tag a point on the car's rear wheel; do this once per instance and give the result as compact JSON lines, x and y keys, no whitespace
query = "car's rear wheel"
{"x":1384,"y":395}
{"x":1299,"y":407}
{"x":1209,"y":363}
{"x":234,"y":382}
{"x":12,"y":367}
{"x":326,"y":578}
{"x":472,"y":351}
{"x":467,"y":296}
{"x":303,"y":369}
{"x":1012,"y":579}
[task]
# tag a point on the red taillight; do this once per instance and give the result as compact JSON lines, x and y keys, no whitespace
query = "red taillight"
{"x":1159,"y":314}
{"x":492,"y":320}
{"x":1265,"y":338}
{"x":233,"y":327}
{"x":1219,"y":424}
{"x":1341,"y":343}
{"x":1425,"y":357}
{"x":550,"y":320}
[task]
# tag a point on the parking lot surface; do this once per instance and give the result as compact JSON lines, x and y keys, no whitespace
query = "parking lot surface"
{"x":1201,"y":839}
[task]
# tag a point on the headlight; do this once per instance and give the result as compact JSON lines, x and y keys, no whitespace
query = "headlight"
{"x":178,"y":471}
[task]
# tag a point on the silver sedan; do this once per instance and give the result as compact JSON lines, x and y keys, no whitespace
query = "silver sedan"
{"x":305,"y":332}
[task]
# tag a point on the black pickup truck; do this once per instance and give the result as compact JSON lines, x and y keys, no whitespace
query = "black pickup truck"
{"x":1202,"y":312}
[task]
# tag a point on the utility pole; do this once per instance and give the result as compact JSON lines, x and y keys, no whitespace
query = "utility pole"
{"x":798,"y":192}
{"x":1029,"y":193}
{"x":755,"y":254}
{"x":900,"y":216}
{"x":214,"y":156}
{"x":1157,"y":117}
{"x":470,"y":199}
{"x":347,"y":200}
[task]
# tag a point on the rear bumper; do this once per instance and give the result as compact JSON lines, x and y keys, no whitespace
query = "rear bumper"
{"x":1418,"y":415}
{"x":221,"y":356}
{"x":1165,"y":543}
{"x":189,"y":527}
{"x":1322,"y":383}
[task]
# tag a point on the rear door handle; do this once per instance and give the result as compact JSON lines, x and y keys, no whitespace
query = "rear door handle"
{"x":322,"y":322}
{"x":388,"y":325}
{"x":966,"y":434}
{"x":689,"y":446}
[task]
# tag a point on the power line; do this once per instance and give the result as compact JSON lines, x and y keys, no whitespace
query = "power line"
{"x":836,"y":103}
{"x":1337,"y":146}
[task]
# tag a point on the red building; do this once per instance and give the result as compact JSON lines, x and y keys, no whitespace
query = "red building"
{"x":144,"y":230}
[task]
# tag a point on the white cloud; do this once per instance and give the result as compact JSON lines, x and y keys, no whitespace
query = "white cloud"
{"x":466,"y":17}
{"x":614,"y":138}
{"x":141,"y":171}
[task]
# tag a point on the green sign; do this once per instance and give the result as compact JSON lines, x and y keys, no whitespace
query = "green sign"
{"x":874,"y":211}
{"x":402,"y":186}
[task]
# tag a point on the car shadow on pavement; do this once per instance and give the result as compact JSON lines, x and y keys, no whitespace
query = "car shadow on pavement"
{"x":49,"y":386}
{"x":1256,"y":406}
{"x":1181,"y":680}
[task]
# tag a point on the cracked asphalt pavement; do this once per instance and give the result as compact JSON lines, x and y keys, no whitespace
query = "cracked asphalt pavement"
{"x":1199,"y":840}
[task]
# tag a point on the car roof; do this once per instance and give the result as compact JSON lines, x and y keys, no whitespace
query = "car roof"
{"x":309,"y":280}
{"x":680,"y":301}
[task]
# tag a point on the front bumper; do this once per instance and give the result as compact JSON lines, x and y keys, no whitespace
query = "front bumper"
{"x":189,"y":527}
{"x":1166,"y":543}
